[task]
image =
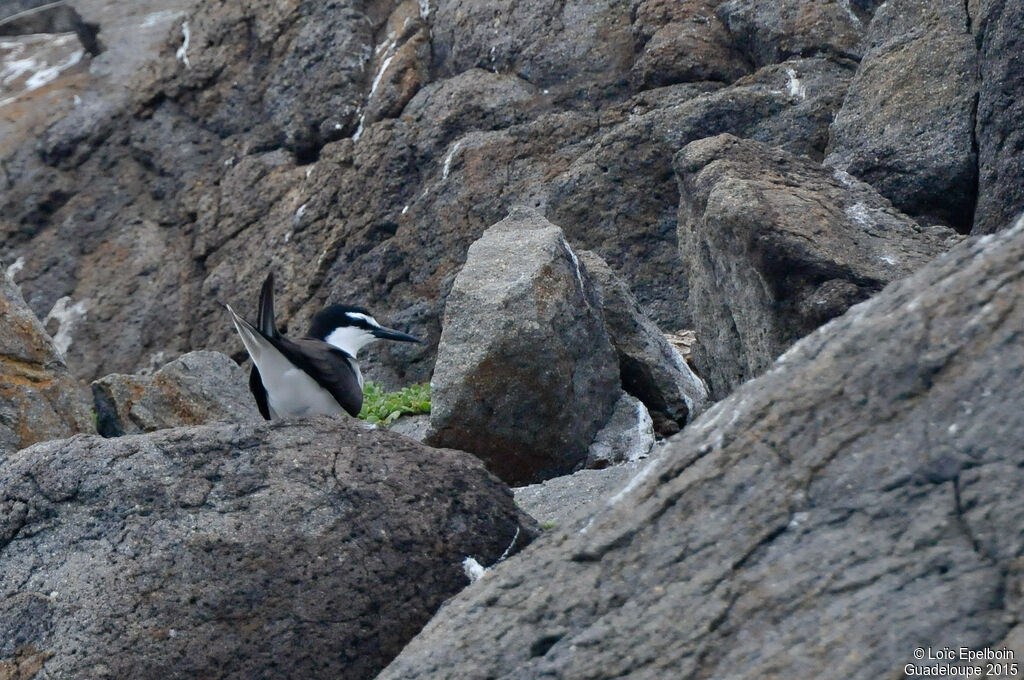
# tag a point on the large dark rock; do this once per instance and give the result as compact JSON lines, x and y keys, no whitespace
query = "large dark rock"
{"x":618,"y":196}
{"x":767,"y":33}
{"x":575,"y":47}
{"x":683,"y":42}
{"x":997,"y":29}
{"x":310,"y":549}
{"x":858,"y":497}
{"x":526,"y":374}
{"x":197,"y":388}
{"x":907,"y":124}
{"x":651,"y":369}
{"x":775,"y":246}
{"x":318,"y":53}
{"x":39,"y":398}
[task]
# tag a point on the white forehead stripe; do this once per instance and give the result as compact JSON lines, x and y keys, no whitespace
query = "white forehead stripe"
{"x":368,"y":319}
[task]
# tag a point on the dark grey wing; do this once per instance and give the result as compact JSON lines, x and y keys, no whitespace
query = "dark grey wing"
{"x":333,"y":370}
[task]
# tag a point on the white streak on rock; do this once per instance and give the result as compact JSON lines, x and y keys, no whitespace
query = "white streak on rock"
{"x":424,"y":9}
{"x":380,"y":74}
{"x":182,"y":53}
{"x":796,"y":88}
{"x":67,"y":316}
{"x":473,"y":570}
{"x":576,"y":266}
{"x":448,"y":160}
{"x":15,"y":268}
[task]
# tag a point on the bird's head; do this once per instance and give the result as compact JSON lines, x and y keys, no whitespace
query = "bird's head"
{"x":352,"y":328}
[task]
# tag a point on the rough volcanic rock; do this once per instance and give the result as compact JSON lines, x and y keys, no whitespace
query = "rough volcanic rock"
{"x":561,"y":500}
{"x":319,"y":54}
{"x":197,"y":388}
{"x":855,"y":498}
{"x":618,"y":197}
{"x":400,"y":64}
{"x":311,"y":548}
{"x":683,"y":42}
{"x":997,"y":28}
{"x":39,"y":398}
{"x":907,"y":124}
{"x":150,"y":210}
{"x":767,"y":33}
{"x":775,"y":245}
{"x":526,"y":374}
{"x":650,"y":368}
{"x":573,"y":47}
{"x":627,"y":436}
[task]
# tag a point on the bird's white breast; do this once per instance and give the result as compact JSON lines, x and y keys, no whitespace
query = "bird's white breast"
{"x":293,"y":393}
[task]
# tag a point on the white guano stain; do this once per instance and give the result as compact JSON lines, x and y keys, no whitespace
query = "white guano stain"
{"x":182,"y":53}
{"x":15,"y":267}
{"x":576,"y":267}
{"x":380,"y":74}
{"x":796,"y":87}
{"x":446,"y":168}
{"x":473,"y":570}
{"x":67,"y":316}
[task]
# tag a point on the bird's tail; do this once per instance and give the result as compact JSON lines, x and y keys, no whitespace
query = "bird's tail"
{"x":265,"y":316}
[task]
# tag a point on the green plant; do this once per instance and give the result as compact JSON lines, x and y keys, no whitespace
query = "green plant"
{"x":384,"y":408}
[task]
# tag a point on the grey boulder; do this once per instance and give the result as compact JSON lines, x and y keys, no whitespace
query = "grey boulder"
{"x":997,"y":31}
{"x":39,"y":398}
{"x":310,"y":549}
{"x":197,"y":388}
{"x":627,"y":437}
{"x":775,"y":245}
{"x":526,"y":374}
{"x":857,"y":502}
{"x":651,"y":369}
{"x":907,"y":124}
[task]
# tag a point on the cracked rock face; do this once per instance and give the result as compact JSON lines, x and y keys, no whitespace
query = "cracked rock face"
{"x":862,"y":487}
{"x":776,"y":245}
{"x":39,"y":398}
{"x":313,"y":549}
{"x":906,"y":126}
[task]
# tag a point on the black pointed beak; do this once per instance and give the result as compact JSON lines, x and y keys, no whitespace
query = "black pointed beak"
{"x":388,"y":334}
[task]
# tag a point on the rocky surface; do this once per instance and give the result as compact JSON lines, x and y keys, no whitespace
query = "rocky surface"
{"x":906,"y":126}
{"x":1000,"y":139}
{"x":855,"y":498}
{"x":314,"y":549}
{"x":628,"y":435}
{"x":526,"y":374}
{"x":360,"y":148}
{"x":651,"y":369}
{"x":560,"y":501}
{"x":776,"y":245}
{"x":39,"y":398}
{"x":197,"y":388}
